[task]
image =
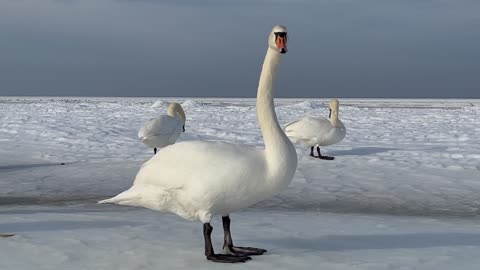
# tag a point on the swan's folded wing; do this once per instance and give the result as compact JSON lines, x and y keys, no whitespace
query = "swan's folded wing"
{"x":208,"y":164}
{"x":320,"y":124}
{"x":163,"y":125}
{"x":291,"y":124}
{"x":308,"y":127}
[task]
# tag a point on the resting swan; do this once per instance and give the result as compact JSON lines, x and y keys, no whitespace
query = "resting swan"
{"x":164,"y":130}
{"x":318,"y":132}
{"x":198,"y":180}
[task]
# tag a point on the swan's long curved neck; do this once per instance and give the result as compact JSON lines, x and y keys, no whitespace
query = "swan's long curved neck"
{"x":277,"y":146}
{"x":334,"y":118}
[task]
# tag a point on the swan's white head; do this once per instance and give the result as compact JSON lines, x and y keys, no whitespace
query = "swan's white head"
{"x":176,"y":110}
{"x":334,"y":105}
{"x":277,"y":39}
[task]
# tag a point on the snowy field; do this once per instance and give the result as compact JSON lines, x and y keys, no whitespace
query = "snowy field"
{"x":402,"y":193}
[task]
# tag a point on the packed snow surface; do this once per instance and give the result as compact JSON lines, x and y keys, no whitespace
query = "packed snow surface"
{"x":160,"y":104}
{"x":402,"y":193}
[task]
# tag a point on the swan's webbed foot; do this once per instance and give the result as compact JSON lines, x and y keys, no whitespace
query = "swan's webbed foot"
{"x":323,"y":157}
{"x":6,"y":235}
{"x":222,"y":258}
{"x":226,"y":258}
{"x":244,"y":251}
{"x":228,"y":246}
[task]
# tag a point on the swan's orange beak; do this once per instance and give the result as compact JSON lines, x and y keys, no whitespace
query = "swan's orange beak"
{"x":281,"y":42}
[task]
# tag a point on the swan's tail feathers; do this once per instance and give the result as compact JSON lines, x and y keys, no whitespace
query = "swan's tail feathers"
{"x":111,"y":200}
{"x":152,"y":198}
{"x":123,"y":198}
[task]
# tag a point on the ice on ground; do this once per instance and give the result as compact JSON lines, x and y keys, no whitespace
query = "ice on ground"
{"x":415,"y":157}
{"x":160,"y":104}
{"x":308,"y":105}
{"x":192,"y":104}
{"x":400,"y":158}
{"x":115,"y":237}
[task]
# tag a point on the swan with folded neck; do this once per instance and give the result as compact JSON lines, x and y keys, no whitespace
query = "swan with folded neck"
{"x":165,"y":129}
{"x":318,"y":132}
{"x":198,"y":180}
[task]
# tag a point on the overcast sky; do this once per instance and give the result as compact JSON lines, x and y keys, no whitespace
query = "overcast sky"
{"x":337,"y":48}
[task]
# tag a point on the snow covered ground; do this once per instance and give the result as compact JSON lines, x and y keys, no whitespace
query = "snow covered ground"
{"x":402,"y":193}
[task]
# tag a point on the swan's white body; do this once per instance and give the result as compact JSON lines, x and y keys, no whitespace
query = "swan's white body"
{"x":197,"y":180}
{"x":163,"y":130}
{"x":311,"y":131}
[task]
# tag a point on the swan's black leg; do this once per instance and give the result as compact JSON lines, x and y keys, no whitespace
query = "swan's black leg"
{"x":311,"y":151}
{"x":228,"y":246}
{"x":6,"y":235}
{"x":323,"y":157}
{"x":154,"y":151}
{"x":210,"y":254}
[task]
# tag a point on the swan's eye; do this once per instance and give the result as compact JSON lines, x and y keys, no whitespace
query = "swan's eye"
{"x":280,"y":34}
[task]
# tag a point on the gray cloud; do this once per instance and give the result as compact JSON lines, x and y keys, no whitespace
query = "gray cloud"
{"x":343,"y":48}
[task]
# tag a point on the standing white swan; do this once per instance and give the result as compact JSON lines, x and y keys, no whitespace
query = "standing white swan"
{"x":318,"y":132}
{"x":164,"y":130}
{"x":197,"y":180}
